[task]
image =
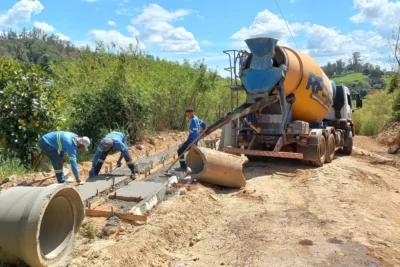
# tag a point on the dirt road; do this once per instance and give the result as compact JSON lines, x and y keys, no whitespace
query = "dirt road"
{"x":346,"y":213}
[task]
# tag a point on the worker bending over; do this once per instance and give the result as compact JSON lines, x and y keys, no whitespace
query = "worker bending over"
{"x":113,"y":141}
{"x":196,"y":126}
{"x":55,"y":144}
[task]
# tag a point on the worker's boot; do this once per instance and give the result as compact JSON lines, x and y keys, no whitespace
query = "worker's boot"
{"x":183,"y":167}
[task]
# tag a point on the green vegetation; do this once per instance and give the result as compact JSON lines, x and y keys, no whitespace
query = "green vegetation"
{"x":35,"y":47}
{"x":376,"y":112}
{"x":359,"y":77}
{"x":89,"y":231}
{"x":96,"y":91}
{"x":10,"y":167}
{"x":352,"y":77}
{"x":29,"y":109}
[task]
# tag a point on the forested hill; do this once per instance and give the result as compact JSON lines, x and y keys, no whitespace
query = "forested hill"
{"x":35,"y":46}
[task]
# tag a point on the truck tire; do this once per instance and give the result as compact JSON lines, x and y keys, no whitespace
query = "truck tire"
{"x":330,"y":148}
{"x":349,"y":148}
{"x":321,"y":152}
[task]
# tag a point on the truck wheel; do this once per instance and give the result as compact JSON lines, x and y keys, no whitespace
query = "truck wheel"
{"x":321,"y":152}
{"x":330,"y":151}
{"x":349,"y":148}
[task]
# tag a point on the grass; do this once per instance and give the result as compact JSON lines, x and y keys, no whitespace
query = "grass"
{"x":375,"y":113}
{"x":352,"y":77}
{"x":89,"y":231}
{"x":11,"y":167}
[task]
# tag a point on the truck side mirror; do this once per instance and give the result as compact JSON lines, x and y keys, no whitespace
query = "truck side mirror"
{"x":359,"y":103}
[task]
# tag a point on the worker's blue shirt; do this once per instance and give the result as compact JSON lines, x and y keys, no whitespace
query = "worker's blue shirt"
{"x":63,"y":142}
{"x":195,"y":125}
{"x":119,"y":143}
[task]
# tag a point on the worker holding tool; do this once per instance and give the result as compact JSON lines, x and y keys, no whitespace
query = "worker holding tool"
{"x":55,"y":144}
{"x":113,"y":141}
{"x":196,"y":126}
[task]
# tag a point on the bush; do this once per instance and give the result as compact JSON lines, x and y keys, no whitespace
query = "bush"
{"x":375,"y":113}
{"x":29,"y":109}
{"x":128,"y":90}
{"x":10,"y":167}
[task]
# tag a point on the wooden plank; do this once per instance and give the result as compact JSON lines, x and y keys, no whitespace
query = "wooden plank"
{"x":98,"y":213}
{"x":130,"y":199}
{"x":96,"y":203}
{"x":122,"y":215}
{"x":131,"y":217}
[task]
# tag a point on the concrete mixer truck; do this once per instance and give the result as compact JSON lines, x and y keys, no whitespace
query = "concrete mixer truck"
{"x":292,"y":109}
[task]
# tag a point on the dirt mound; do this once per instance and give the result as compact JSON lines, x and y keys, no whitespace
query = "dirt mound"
{"x":390,"y":134}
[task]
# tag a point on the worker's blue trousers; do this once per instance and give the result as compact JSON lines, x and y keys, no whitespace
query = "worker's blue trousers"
{"x":182,"y":159}
{"x":55,"y":158}
{"x":103,"y":157}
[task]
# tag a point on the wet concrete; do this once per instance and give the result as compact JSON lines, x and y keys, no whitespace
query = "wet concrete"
{"x":99,"y":183}
{"x":139,"y":189}
{"x":146,"y":162}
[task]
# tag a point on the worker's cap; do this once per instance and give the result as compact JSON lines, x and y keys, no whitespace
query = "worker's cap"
{"x":85,"y":141}
{"x":107,"y":145}
{"x":189,"y":110}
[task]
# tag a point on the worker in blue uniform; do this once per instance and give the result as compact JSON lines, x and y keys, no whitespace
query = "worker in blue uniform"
{"x":196,"y":126}
{"x":113,"y":141}
{"x":55,"y":144}
{"x":244,"y":132}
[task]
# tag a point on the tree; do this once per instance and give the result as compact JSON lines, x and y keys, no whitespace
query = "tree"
{"x":29,"y":109}
{"x":340,"y":66}
{"x":357,"y":61}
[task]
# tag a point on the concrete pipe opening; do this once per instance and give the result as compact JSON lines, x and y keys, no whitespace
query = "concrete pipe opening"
{"x":215,"y":167}
{"x":38,"y":224}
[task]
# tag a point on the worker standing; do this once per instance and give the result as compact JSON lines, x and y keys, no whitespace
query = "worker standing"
{"x":113,"y":141}
{"x":196,"y":126}
{"x":55,"y":144}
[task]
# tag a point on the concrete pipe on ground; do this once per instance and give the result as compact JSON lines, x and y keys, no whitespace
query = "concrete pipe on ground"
{"x":38,"y":224}
{"x":215,"y":167}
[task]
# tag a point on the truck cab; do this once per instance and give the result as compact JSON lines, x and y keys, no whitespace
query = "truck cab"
{"x":342,"y":106}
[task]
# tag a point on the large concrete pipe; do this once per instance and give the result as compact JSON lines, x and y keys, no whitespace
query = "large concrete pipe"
{"x":38,"y":224}
{"x":215,"y":167}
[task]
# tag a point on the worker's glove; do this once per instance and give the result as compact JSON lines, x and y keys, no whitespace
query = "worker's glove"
{"x":91,"y":172}
{"x":119,"y":163}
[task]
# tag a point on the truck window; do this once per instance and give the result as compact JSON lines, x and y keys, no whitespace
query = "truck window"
{"x":349,"y":101}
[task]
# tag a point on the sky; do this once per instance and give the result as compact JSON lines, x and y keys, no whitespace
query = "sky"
{"x":193,"y":29}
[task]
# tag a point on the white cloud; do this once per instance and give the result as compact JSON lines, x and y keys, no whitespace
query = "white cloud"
{"x":292,"y":1}
{"x":62,"y":36}
{"x":155,"y":26}
{"x":381,"y":13}
{"x":90,"y":1}
{"x":44,"y":26}
{"x":113,"y":36}
{"x":133,"y":30}
{"x":326,"y":42}
{"x":112,"y":23}
{"x":322,"y":43}
{"x":20,"y":12}
{"x":206,"y":42}
{"x":123,"y":11}
{"x":268,"y":24}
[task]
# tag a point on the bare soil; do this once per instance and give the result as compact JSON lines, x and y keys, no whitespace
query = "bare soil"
{"x":345,"y":213}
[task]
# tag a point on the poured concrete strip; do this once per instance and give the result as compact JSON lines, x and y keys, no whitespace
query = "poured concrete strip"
{"x":215,"y":167}
{"x":153,"y":199}
{"x":99,"y":184}
{"x":38,"y":224}
{"x":139,"y":189}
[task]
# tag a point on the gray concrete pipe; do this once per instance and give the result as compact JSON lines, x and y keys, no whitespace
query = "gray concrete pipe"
{"x":38,"y":224}
{"x":215,"y":167}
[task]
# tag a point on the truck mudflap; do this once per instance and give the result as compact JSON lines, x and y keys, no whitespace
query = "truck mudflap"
{"x":239,"y":151}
